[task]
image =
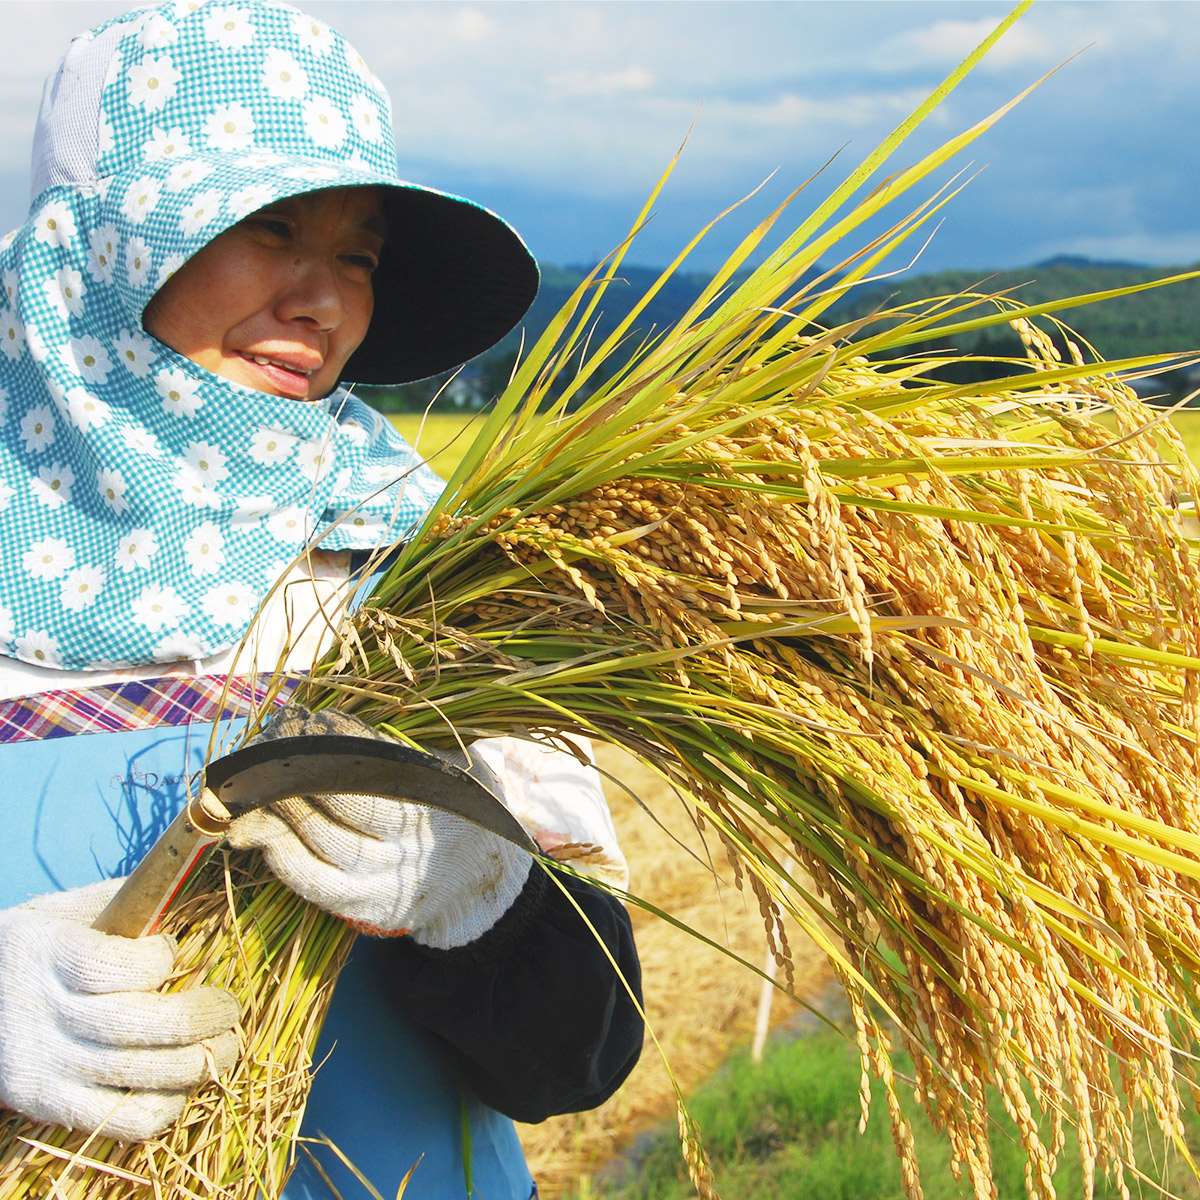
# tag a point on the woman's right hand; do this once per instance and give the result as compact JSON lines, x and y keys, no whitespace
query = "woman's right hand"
{"x":86,"y":1039}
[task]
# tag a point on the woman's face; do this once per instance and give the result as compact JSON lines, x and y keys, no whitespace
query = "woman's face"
{"x":281,"y":300}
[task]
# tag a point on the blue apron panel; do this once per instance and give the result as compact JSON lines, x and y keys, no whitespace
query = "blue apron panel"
{"x":80,"y":809}
{"x":374,"y":1055}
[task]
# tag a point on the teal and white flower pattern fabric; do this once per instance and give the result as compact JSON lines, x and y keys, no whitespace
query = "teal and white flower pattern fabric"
{"x":147,"y":506}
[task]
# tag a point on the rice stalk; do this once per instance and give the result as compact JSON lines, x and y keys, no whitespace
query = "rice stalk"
{"x":240,"y":930}
{"x":939,"y":647}
{"x":937,"y":644}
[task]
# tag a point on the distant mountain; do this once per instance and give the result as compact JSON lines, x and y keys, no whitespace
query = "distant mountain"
{"x":1150,"y":322}
{"x":631,"y":283}
{"x":1076,"y":260}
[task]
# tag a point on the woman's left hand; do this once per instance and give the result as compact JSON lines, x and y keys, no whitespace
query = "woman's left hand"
{"x":386,"y":866}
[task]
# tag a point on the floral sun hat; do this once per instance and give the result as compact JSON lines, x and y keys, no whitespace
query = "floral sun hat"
{"x":186,"y":118}
{"x":147,"y":505}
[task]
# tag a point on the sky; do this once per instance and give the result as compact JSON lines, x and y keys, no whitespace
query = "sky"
{"x":561,"y":115}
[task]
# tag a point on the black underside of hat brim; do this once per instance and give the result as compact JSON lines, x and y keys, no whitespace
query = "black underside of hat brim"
{"x":452,"y":281}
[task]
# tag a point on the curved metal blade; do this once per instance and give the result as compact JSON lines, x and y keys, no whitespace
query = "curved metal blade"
{"x":328,"y":764}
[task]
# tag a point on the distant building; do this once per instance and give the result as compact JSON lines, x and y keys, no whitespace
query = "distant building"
{"x":465,"y":390}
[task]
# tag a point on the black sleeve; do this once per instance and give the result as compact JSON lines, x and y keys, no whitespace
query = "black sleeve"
{"x":534,"y":1009}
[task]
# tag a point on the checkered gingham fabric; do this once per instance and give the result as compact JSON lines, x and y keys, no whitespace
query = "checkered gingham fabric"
{"x":147,"y":506}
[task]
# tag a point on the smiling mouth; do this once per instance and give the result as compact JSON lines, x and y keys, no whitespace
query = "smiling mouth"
{"x":282,"y":366}
{"x":281,"y":376}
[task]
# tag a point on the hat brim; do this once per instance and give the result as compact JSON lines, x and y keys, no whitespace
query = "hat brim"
{"x":453,"y":278}
{"x":452,"y":281}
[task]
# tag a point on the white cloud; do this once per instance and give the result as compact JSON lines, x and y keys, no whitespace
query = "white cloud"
{"x":946,"y":43}
{"x":1176,"y":249}
{"x":471,"y":25}
{"x":586,"y":102}
{"x":824,"y":119}
{"x":600,"y":83}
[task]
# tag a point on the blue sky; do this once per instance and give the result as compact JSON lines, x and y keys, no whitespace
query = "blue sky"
{"x":560,"y":114}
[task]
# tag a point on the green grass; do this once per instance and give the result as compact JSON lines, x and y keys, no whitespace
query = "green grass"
{"x":787,"y":1129}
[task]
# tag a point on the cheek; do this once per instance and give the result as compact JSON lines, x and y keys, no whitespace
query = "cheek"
{"x":189,"y":330}
{"x":182,"y":313}
{"x":197,"y":308}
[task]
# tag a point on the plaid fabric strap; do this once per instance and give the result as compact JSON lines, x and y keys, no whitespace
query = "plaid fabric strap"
{"x":132,"y":704}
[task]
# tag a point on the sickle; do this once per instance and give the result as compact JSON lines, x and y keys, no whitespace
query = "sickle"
{"x":320,"y":764}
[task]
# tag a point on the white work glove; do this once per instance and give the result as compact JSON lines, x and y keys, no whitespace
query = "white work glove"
{"x":86,"y":1040}
{"x":386,"y":866}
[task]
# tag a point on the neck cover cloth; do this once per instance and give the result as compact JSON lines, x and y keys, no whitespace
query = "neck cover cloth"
{"x":147,"y":506}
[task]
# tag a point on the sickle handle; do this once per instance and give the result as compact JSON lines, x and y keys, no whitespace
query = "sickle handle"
{"x":146,"y":894}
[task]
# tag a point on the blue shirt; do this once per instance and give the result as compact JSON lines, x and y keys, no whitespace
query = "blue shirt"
{"x":387,"y":1093}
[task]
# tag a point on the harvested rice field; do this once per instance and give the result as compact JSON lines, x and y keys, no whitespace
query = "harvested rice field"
{"x":700,"y":1003}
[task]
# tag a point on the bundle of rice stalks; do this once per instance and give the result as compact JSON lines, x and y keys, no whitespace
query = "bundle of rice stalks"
{"x":939,"y":648}
{"x":240,"y":930}
{"x":936,"y":643}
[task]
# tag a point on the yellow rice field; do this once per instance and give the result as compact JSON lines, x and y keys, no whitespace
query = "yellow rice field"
{"x":444,"y":437}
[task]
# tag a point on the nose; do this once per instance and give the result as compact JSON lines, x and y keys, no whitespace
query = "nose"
{"x":312,"y":294}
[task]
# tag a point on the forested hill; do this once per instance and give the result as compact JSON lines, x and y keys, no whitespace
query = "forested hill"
{"x":1151,"y":322}
{"x":630,"y":284}
{"x":1156,"y":321}
{"x":1160,"y":320}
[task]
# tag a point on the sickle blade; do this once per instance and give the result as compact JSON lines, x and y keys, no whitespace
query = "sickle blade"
{"x":329,"y":764}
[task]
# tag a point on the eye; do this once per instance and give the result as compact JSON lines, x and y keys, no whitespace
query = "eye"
{"x":276,"y":227}
{"x":361,"y":260}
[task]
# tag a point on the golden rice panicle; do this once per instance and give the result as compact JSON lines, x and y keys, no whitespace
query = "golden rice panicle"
{"x":909,"y":658}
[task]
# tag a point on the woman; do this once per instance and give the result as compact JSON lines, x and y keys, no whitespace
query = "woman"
{"x":218,"y":242}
